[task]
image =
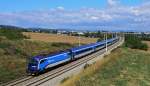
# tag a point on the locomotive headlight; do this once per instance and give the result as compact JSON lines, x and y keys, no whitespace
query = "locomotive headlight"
{"x":34,"y":66}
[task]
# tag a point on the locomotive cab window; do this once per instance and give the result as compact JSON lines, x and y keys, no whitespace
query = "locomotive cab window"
{"x":33,"y":62}
{"x":42,"y":61}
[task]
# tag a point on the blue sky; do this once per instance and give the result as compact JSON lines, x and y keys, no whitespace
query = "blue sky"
{"x":77,"y":14}
{"x":20,"y":5}
{"x":24,"y":5}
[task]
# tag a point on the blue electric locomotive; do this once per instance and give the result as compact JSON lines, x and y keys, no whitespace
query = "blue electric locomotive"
{"x":40,"y":63}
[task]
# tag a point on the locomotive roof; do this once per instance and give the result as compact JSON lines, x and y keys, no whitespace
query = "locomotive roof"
{"x":39,"y":57}
{"x":83,"y":46}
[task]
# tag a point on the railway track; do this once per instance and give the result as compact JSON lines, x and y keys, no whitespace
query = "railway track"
{"x":39,"y":80}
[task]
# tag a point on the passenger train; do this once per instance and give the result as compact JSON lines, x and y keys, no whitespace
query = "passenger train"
{"x":40,"y":63}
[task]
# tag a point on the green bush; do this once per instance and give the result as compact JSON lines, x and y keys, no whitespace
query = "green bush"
{"x":144,"y":46}
{"x":65,"y":79}
{"x":100,"y":39}
{"x":12,"y":34}
{"x":134,"y":42}
{"x":4,"y":45}
{"x":61,"y":44}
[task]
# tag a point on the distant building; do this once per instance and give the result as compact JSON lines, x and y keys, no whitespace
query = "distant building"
{"x":81,"y":33}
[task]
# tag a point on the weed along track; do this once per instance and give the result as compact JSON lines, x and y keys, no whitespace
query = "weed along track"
{"x":43,"y":78}
{"x":17,"y":81}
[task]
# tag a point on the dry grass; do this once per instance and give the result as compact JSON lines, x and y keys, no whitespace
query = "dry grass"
{"x":58,"y":38}
{"x":148,"y":43}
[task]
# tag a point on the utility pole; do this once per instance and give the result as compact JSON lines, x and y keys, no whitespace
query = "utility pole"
{"x":106,"y":42}
{"x":112,"y":35}
{"x":104,"y":37}
{"x":79,"y":38}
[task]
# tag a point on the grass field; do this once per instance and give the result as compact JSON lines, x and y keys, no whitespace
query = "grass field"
{"x":13,"y":55}
{"x":148,"y":43}
{"x":124,"y":67}
{"x":58,"y":38}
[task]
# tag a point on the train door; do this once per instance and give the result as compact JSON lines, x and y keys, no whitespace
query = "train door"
{"x":71,"y":55}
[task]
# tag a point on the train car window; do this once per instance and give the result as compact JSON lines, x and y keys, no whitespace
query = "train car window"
{"x":82,"y":51}
{"x":100,"y":45}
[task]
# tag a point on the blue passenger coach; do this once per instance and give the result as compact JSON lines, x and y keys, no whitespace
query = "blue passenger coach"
{"x":40,"y":63}
{"x":82,"y":50}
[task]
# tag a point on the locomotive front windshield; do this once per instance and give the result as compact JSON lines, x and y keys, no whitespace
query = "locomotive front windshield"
{"x":33,"y":62}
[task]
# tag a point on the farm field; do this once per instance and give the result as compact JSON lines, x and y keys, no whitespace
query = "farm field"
{"x":124,"y":67}
{"x":58,"y":38}
{"x":148,"y":43}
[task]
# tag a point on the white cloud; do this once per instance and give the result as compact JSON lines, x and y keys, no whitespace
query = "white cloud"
{"x":116,"y":17}
{"x":60,"y":8}
{"x":112,"y":2}
{"x":94,"y":18}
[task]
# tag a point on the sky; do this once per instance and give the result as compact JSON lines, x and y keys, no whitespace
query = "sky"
{"x":21,"y":5}
{"x":77,"y":14}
